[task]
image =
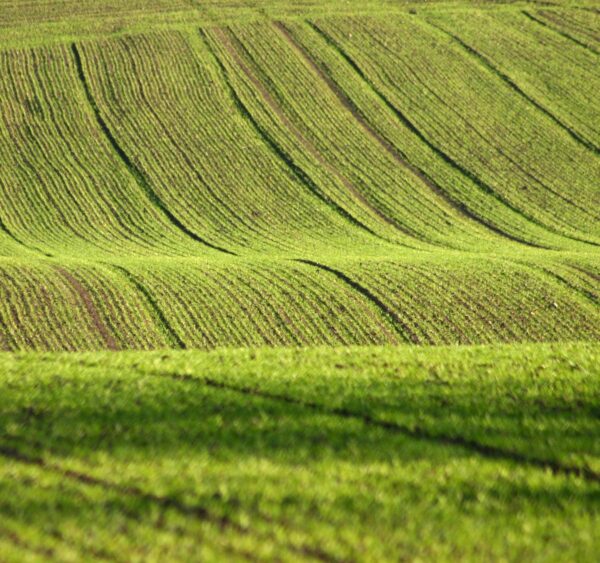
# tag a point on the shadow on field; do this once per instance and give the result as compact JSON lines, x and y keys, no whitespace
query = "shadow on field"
{"x":137,"y":457}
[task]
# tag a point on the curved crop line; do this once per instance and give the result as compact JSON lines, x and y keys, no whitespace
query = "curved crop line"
{"x":43,"y":553}
{"x":484,"y":138}
{"x":279,"y":151}
{"x":6,"y":338}
{"x":173,"y":133}
{"x":559,"y":279}
{"x":164,"y":501}
{"x":444,"y":156}
{"x":559,"y":32}
{"x":169,"y":331}
{"x":12,"y":236}
{"x":416,"y":433}
{"x":400,"y":327}
{"x":514,"y":86}
{"x":135,"y":172}
{"x":197,"y":511}
{"x":289,"y":161}
{"x":587,"y":273}
{"x":312,"y":149}
{"x":387,"y":145}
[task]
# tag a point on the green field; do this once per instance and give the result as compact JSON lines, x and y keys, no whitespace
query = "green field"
{"x":193,"y":175}
{"x":349,"y":454}
{"x":373,"y":225}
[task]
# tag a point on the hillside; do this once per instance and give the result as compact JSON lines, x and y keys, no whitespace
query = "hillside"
{"x":299,"y":281}
{"x":204,"y":174}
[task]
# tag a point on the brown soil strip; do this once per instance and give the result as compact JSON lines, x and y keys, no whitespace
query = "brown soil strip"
{"x":88,"y":303}
{"x":226,"y":40}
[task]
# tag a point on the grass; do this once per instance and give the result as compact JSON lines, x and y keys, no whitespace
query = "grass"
{"x":335,"y":454}
{"x":297,"y":177}
{"x":288,"y":281}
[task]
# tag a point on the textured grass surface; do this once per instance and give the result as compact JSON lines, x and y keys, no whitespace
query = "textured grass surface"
{"x":273,"y":176}
{"x":326,"y":454}
{"x":202,"y":174}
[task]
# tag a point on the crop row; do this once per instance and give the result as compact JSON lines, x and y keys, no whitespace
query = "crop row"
{"x":50,"y":307}
{"x":253,"y":305}
{"x":28,"y":11}
{"x":508,"y":145}
{"x":301,"y":455}
{"x":579,"y":26}
{"x":143,"y":305}
{"x":534,"y":59}
{"x":173,"y":114}
{"x":312,"y":116}
{"x":62,"y":186}
{"x":477,"y":301}
{"x":137,"y":145}
{"x":397,"y":130}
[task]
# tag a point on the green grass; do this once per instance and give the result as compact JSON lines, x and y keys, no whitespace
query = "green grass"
{"x":242,"y":245}
{"x":282,"y":176}
{"x":335,"y":454}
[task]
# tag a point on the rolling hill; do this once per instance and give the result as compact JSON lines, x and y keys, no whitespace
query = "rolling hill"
{"x":294,"y":281}
{"x":194,"y":174}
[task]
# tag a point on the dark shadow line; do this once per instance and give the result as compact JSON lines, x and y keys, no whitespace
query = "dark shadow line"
{"x":198,"y":512}
{"x":134,"y":171}
{"x":399,"y":156}
{"x":587,"y":295}
{"x":591,"y":275}
{"x":13,"y":237}
{"x":280,"y":152}
{"x":47,"y":553}
{"x":309,"y":145}
{"x":559,"y":32}
{"x":400,"y":327}
{"x":514,"y":86}
{"x":162,"y":319}
{"x":416,"y":432}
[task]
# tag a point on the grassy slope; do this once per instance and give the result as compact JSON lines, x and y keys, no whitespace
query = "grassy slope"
{"x":215,"y":174}
{"x":317,"y":454}
{"x":167,"y":181}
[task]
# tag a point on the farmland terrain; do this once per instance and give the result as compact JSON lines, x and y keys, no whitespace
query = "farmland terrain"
{"x":329,"y":454}
{"x":205,"y":174}
{"x":294,"y":281}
